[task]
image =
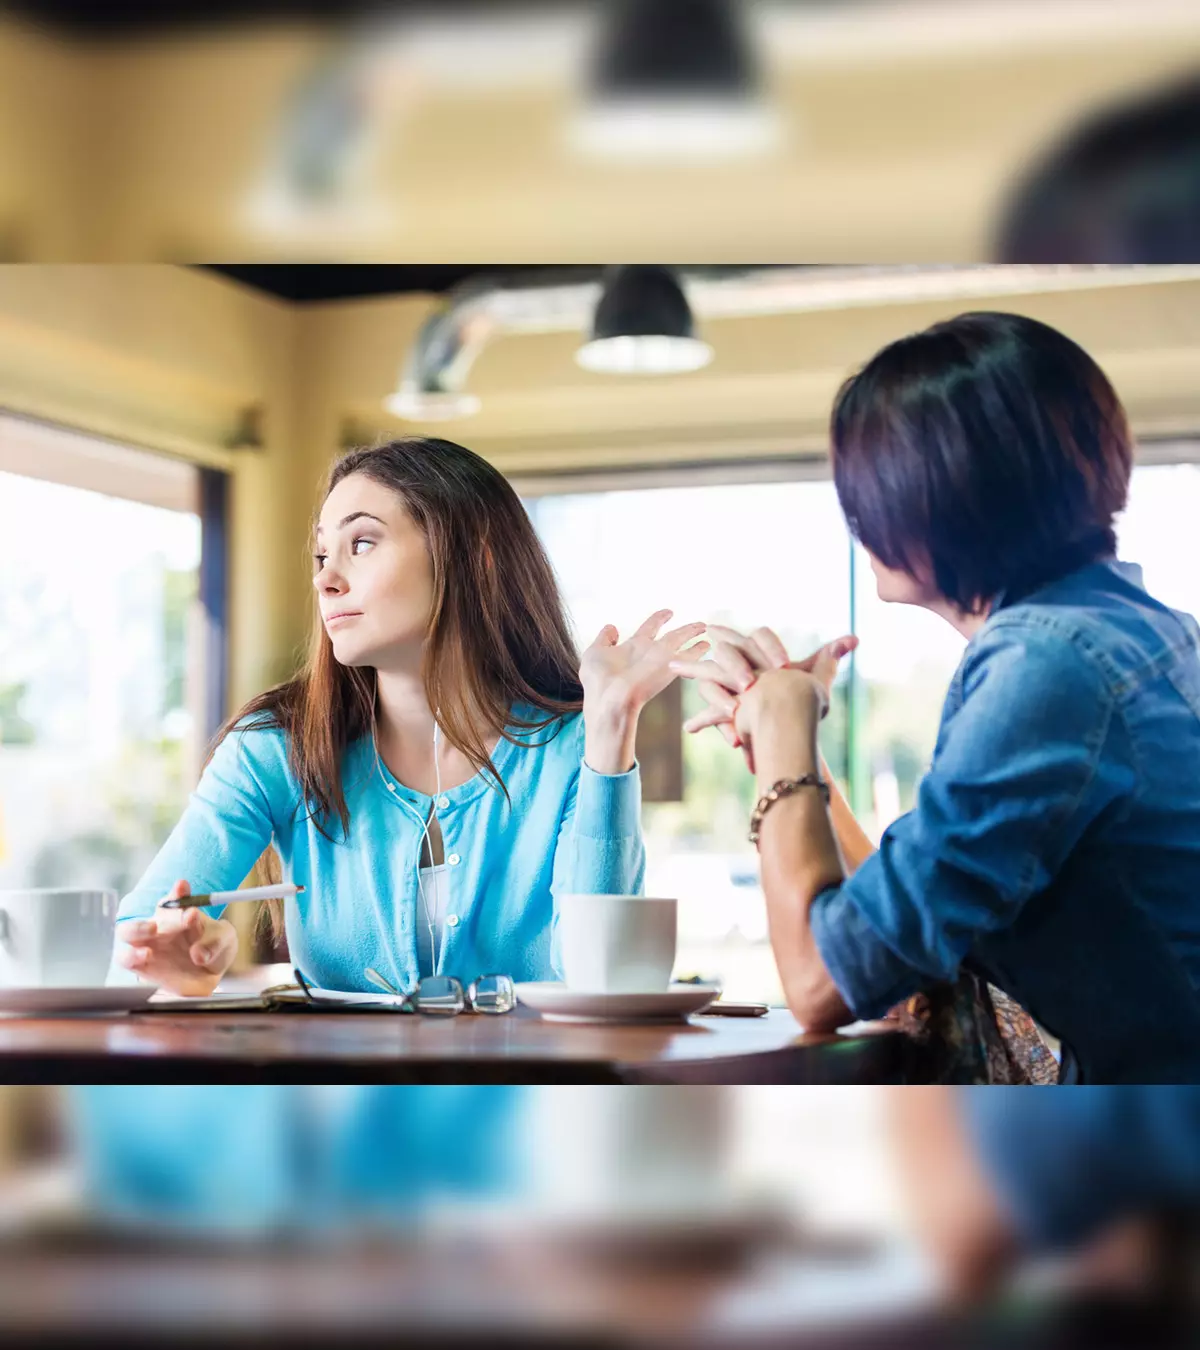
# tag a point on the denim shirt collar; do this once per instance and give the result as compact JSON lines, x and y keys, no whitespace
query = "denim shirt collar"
{"x":1129,"y":572}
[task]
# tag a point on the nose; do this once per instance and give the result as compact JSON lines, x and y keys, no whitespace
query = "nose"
{"x":328,"y":581}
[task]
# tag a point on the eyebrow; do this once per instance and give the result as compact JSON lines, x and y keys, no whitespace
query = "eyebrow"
{"x":355,"y":515}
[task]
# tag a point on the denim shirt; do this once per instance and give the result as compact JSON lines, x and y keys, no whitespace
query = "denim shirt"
{"x":1067,"y":1166}
{"x":1054,"y":847}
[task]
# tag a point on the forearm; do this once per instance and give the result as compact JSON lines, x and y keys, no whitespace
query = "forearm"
{"x":853,"y":841}
{"x":800,"y":858}
{"x":600,"y":848}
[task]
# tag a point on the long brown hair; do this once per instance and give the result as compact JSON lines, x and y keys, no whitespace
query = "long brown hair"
{"x":498,"y":633}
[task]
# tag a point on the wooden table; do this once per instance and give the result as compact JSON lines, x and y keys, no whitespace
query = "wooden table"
{"x":168,"y":1046}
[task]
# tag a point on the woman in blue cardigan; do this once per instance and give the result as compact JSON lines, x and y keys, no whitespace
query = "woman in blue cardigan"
{"x":443,"y":768}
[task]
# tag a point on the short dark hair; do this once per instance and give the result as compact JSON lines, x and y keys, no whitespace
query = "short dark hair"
{"x":990,"y":450}
{"x":1121,"y":187}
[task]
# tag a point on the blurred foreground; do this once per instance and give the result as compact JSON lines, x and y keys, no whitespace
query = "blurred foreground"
{"x":705,"y":1216}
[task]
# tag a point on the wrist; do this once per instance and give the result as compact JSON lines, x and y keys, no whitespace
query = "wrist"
{"x":610,"y":733}
{"x":785,"y":745}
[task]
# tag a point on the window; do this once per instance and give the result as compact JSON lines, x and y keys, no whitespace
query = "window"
{"x":1158,"y":530}
{"x":744,"y":554}
{"x":101,"y":656}
{"x":902,"y":668}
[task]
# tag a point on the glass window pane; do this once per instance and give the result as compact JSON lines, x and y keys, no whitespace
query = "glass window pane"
{"x":1158,"y":531}
{"x":903,"y":666}
{"x":97,"y":681}
{"x":744,"y":555}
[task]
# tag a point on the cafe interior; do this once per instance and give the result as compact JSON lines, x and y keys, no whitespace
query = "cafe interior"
{"x":183,"y":588}
{"x":166,"y":424}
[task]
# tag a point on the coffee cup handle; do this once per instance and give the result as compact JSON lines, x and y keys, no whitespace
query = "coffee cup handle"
{"x":3,"y":926}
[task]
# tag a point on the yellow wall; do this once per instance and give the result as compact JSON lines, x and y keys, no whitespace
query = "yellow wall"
{"x":169,"y":357}
{"x":46,"y":91}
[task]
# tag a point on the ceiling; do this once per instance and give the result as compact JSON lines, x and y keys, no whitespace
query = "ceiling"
{"x":88,"y":18}
{"x":302,"y":283}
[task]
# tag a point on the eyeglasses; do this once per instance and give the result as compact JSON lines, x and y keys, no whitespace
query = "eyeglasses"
{"x":436,"y":995}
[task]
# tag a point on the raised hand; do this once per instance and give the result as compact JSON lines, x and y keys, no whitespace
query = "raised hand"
{"x":633,"y":671}
{"x":620,"y":678}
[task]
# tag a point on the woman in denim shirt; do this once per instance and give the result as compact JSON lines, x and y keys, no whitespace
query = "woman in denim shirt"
{"x":1054,"y":848}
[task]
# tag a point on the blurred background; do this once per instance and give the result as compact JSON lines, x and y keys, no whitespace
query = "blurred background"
{"x":543,"y":131}
{"x":165,"y":429}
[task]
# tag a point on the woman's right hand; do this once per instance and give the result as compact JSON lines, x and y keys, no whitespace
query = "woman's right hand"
{"x":183,"y":950}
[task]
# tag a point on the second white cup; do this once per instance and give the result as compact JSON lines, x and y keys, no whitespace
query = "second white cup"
{"x":617,"y":944}
{"x":56,"y":939}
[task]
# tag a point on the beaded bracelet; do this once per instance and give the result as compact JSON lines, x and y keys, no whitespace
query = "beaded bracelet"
{"x":783,"y":788}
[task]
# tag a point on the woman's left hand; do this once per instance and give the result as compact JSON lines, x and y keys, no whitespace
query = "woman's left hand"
{"x":628,"y":674}
{"x":620,"y":678}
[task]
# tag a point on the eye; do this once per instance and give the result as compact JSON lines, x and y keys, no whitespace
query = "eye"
{"x":318,"y":561}
{"x":360,"y":540}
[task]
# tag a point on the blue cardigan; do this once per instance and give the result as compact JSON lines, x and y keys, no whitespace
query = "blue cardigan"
{"x":564,"y":828}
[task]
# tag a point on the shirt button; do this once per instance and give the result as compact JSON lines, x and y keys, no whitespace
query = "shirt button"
{"x":442,"y":803}
{"x":391,"y":787}
{"x":454,"y":860}
{"x":451,"y":920}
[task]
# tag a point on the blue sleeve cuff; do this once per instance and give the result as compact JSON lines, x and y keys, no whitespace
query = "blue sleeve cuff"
{"x":870,"y":977}
{"x":609,"y":806}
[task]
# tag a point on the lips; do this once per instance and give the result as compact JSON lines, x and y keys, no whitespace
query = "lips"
{"x":342,"y":616}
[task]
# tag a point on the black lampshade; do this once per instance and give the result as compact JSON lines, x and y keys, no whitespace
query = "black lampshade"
{"x":653,"y":49}
{"x":643,"y":325}
{"x":675,"y":81}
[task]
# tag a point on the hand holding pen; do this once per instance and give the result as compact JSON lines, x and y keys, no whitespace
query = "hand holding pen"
{"x":181,"y":948}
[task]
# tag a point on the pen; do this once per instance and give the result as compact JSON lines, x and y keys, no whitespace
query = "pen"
{"x":228,"y":897}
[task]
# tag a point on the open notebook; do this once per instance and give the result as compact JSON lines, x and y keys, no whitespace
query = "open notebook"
{"x":279,"y":998}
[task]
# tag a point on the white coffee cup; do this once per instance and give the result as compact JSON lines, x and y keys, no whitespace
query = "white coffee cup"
{"x":617,"y":944}
{"x":56,"y":939}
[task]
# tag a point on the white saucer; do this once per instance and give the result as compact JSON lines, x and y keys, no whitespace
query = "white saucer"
{"x":101,"y":998}
{"x":556,"y":1003}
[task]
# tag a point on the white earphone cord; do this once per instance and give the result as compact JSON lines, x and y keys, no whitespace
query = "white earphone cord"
{"x":435,"y":949}
{"x":436,"y":956}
